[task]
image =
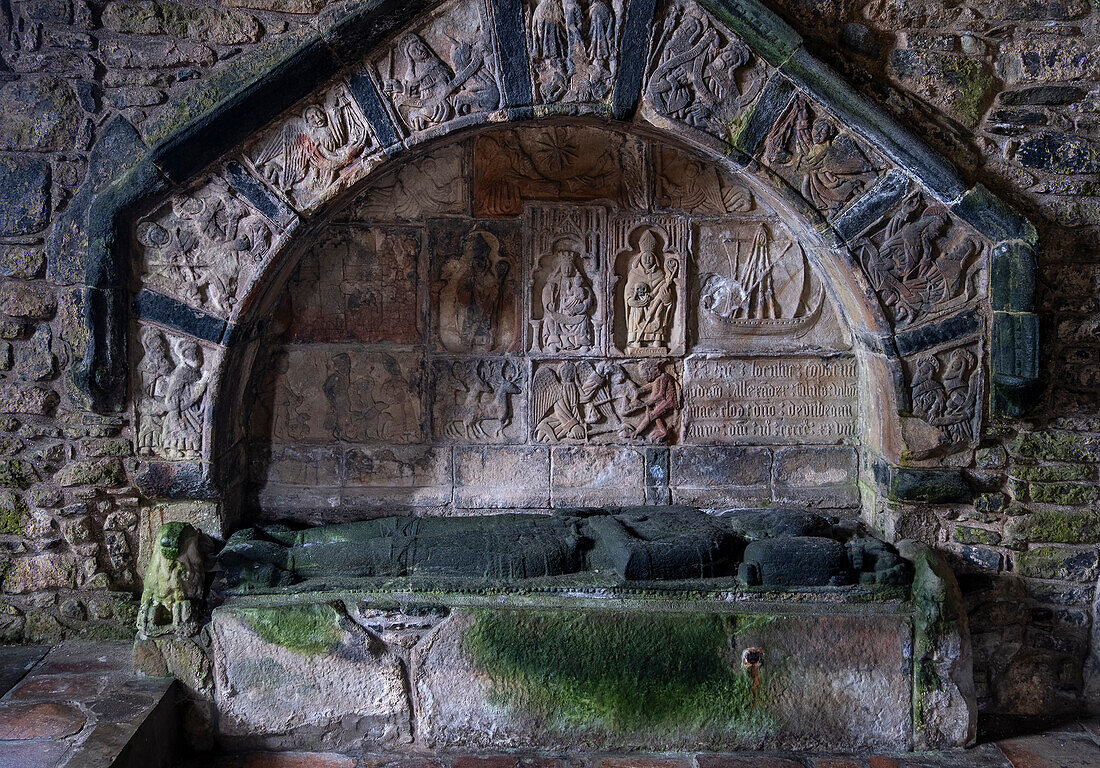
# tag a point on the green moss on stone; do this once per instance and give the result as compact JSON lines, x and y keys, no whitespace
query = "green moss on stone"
{"x":620,"y":672}
{"x":966,"y":534}
{"x":1052,"y":473}
{"x":1057,"y":563}
{"x":1057,"y":527}
{"x":16,"y":473}
{"x":310,"y":628}
{"x":1065,"y":494}
{"x":1057,"y":446}
{"x":973,"y":84}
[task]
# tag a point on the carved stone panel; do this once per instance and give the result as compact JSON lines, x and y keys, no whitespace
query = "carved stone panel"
{"x":475,"y":288}
{"x":204,"y":247}
{"x":175,"y":382}
{"x":557,"y":162}
{"x":686,"y":183}
{"x":605,"y":402}
{"x":648,"y":288}
{"x":567,"y":250}
{"x":359,"y":284}
{"x":398,"y":476}
{"x":430,"y":185}
{"x":479,"y":401}
{"x":574,"y":48}
{"x":317,"y":150}
{"x":347,"y":394}
{"x":700,"y":75}
{"x":442,"y":74}
{"x":921,"y":262}
{"x":820,"y":158}
{"x":946,"y":395}
{"x":779,"y":399}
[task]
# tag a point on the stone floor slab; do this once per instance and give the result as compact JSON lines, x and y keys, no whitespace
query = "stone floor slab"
{"x":58,"y":688}
{"x":1051,"y":751}
{"x":40,"y":720}
{"x":32,"y":754}
{"x":16,"y":661}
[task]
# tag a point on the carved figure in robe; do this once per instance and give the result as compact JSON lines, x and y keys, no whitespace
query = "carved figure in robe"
{"x":473,"y":294}
{"x":568,"y":301}
{"x":184,"y":401}
{"x":650,"y":293}
{"x":658,"y":404}
{"x":961,"y":395}
{"x":549,"y":37}
{"x":561,"y":402}
{"x":399,"y":414}
{"x":291,"y":423}
{"x":756,"y":280}
{"x":349,"y":413}
{"x":155,"y":368}
{"x":601,"y":30}
{"x":929,"y":396}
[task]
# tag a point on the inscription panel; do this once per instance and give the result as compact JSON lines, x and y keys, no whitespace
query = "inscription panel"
{"x":808,"y":400}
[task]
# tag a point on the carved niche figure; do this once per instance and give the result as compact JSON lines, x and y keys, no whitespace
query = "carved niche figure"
{"x":687,"y":184}
{"x":477,"y":290}
{"x":476,"y":400}
{"x":173,"y":587}
{"x":291,"y":420}
{"x":429,"y":185}
{"x":603,"y":402}
{"x":920,"y":259}
{"x":555,"y":163}
{"x":314,"y":153}
{"x":428,"y":91}
{"x":372,"y":400}
{"x":827,"y":165}
{"x":205,"y":248}
{"x":649,"y":291}
{"x":574,"y":47}
{"x":700,"y":76}
{"x":945,"y":392}
{"x":567,"y":292}
{"x":171,"y":412}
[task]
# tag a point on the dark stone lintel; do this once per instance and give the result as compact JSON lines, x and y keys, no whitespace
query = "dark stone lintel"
{"x":952,"y":328}
{"x":766,"y":112}
{"x":258,"y":195}
{"x":633,"y":55}
{"x":167,"y":311}
{"x":869,"y":208}
{"x":366,"y":96}
{"x":511,"y":40}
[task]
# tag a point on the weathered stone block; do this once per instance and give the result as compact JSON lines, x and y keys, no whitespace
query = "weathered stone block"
{"x":307,"y":677}
{"x":1062,"y":563}
{"x":1062,"y":527}
{"x":398,"y":476}
{"x":27,"y":300}
{"x":502,"y":477}
{"x":41,"y":114}
{"x":717,"y":476}
{"x":43,"y":720}
{"x":24,"y":194}
{"x":41,"y":572}
{"x":597,"y":476}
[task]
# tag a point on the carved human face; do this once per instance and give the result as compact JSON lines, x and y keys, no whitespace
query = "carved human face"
{"x":823,"y":131}
{"x":416,"y":50}
{"x":191,"y":355}
{"x":315,"y":117}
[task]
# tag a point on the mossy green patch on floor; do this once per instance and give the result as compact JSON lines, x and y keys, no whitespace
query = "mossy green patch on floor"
{"x":311,"y":628}
{"x":621,"y":672}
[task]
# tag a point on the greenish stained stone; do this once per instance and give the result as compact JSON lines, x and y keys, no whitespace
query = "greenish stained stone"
{"x":13,"y":509}
{"x":16,"y":473}
{"x":1043,"y":562}
{"x":1055,"y":445}
{"x":965,"y":534}
{"x":313,"y":628}
{"x":1052,"y":473}
{"x":1065,"y":494}
{"x":1056,"y":527}
{"x":102,"y":472}
{"x":770,"y":37}
{"x":620,"y":672}
{"x":990,"y":503}
{"x":991,"y":458}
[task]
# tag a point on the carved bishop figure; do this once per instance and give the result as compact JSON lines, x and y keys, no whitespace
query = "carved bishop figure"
{"x":650,"y":293}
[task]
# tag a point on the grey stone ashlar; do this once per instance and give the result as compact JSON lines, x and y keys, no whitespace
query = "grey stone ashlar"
{"x":260,"y":86}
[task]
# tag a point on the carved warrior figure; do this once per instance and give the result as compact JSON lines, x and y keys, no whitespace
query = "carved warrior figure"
{"x":206,"y":248}
{"x":698,"y":75}
{"x":650,"y":292}
{"x":568,"y":301}
{"x":429,"y":92}
{"x":313,"y":153}
{"x":474,"y":296}
{"x":947,"y":396}
{"x":475,"y":399}
{"x":919,"y":260}
{"x":173,"y":584}
{"x":174,"y":388}
{"x":603,"y":401}
{"x":829,"y":166}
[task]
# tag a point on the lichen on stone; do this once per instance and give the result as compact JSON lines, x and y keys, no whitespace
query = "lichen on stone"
{"x":312,"y":628}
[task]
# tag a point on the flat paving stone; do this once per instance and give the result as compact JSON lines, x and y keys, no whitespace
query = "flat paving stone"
{"x":41,"y":720}
{"x":82,"y":658}
{"x":16,"y":661}
{"x":1052,"y":751}
{"x":32,"y":754}
{"x":58,"y":687}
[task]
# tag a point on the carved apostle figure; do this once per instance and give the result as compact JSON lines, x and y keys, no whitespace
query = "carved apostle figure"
{"x":473,"y":294}
{"x":650,"y":293}
{"x":184,"y":400}
{"x":567,"y":301}
{"x":155,"y":368}
{"x":348,"y":414}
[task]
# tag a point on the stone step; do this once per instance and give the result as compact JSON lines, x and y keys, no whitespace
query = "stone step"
{"x":81,"y":706}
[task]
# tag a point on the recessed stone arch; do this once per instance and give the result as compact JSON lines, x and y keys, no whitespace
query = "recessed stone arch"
{"x":726,"y":78}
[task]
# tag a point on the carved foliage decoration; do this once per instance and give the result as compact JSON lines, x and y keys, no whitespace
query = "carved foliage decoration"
{"x":568,"y":254}
{"x":820,"y":158}
{"x":175,"y":375}
{"x":443,"y":71}
{"x":605,"y":401}
{"x":700,"y":74}
{"x":317,"y":151}
{"x":204,"y":247}
{"x":479,"y":401}
{"x":648,"y":290}
{"x":556,"y":163}
{"x":946,"y":394}
{"x":920,"y":260}
{"x":574,"y":48}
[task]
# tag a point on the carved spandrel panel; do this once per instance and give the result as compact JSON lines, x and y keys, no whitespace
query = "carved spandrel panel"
{"x":574,"y":48}
{"x":700,"y":74}
{"x":361,"y":284}
{"x":567,"y":250}
{"x":648,"y":289}
{"x":605,"y":401}
{"x":204,"y":247}
{"x":442,"y":72}
{"x":479,"y":401}
{"x":557,"y":162}
{"x":318,"y":150}
{"x":430,"y":185}
{"x":779,"y":399}
{"x":175,"y":378}
{"x":347,"y":394}
{"x":945,"y":392}
{"x":685,"y":183}
{"x":921,"y":262}
{"x":819,"y":158}
{"x":475,"y":288}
